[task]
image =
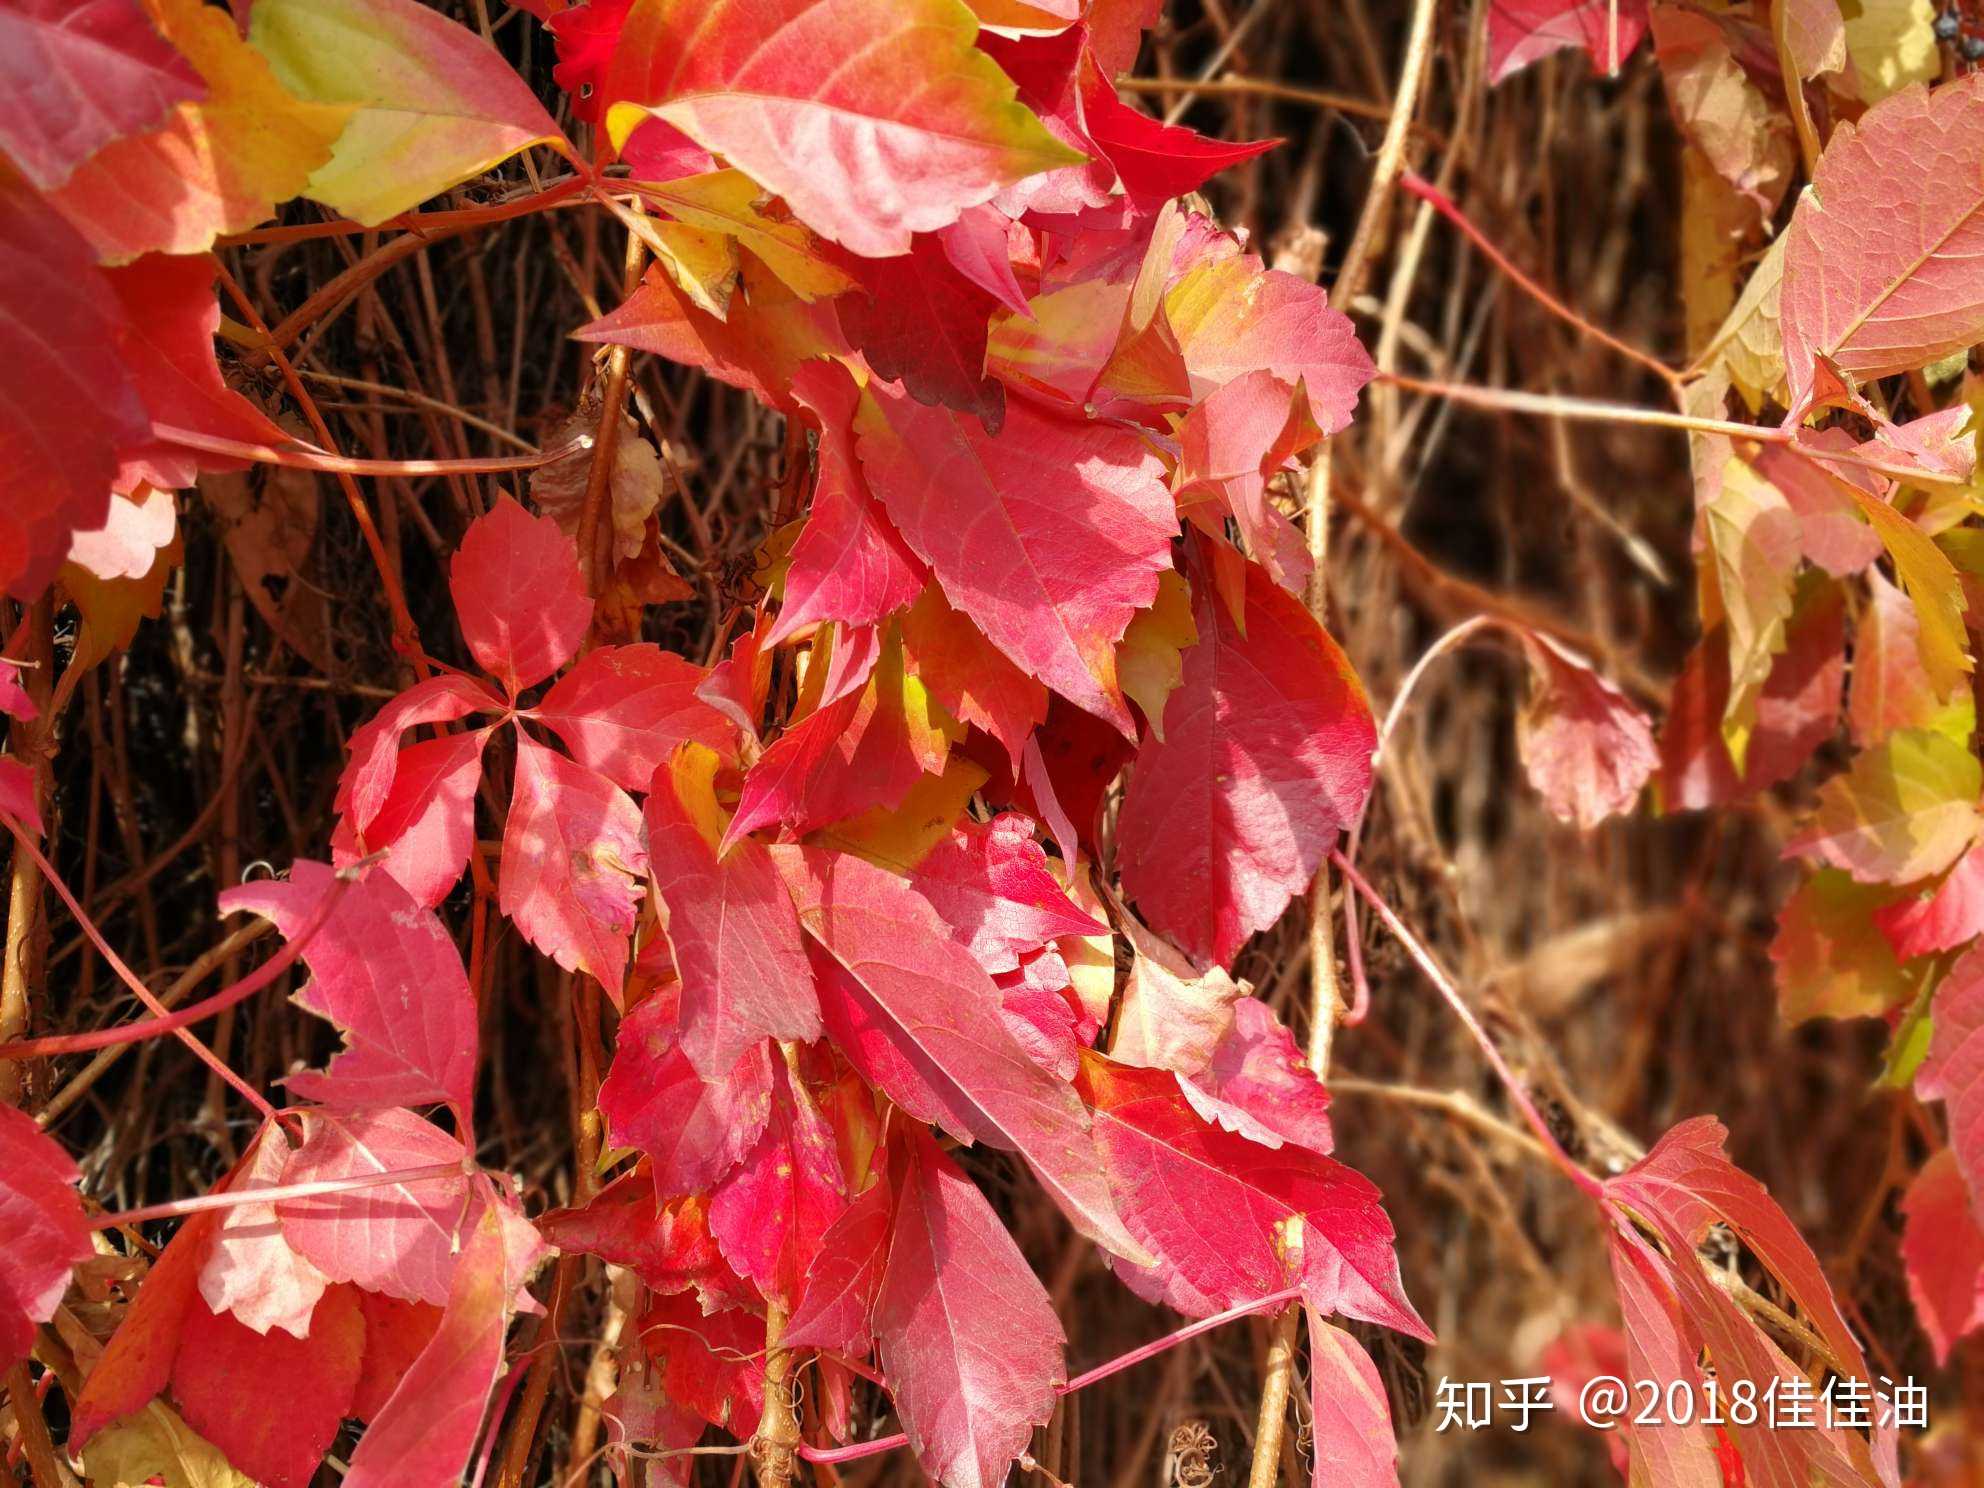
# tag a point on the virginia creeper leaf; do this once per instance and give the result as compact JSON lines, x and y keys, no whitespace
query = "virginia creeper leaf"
{"x":1266,"y":756}
{"x":991,"y":885}
{"x":968,"y":1337}
{"x":1522,"y":31}
{"x":517,"y":588}
{"x":623,"y":709}
{"x":1354,"y":1443}
{"x":42,"y":1231}
{"x":1906,"y":809}
{"x":1587,"y":748}
{"x":1942,"y":1249}
{"x":771,"y":1214}
{"x":250,"y":1269}
{"x":843,"y":1275}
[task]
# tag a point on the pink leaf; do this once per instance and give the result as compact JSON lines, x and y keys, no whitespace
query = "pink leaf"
{"x":1233,"y":441}
{"x":427,"y":825}
{"x":1587,"y":749}
{"x":990,"y":884}
{"x":423,"y":1435}
{"x":1523,"y":31}
{"x":77,"y":76}
{"x":696,"y":1130}
{"x":849,"y":564}
{"x":843,"y":1276}
{"x":968,"y":1337}
{"x":1942,"y":1248}
{"x":14,"y":699}
{"x":389,"y":975}
{"x":1050,"y":537}
{"x":1953,"y":1072}
{"x":1266,"y":756}
{"x":398,"y":1238}
{"x":1884,"y":258}
{"x":42,"y":1231}
{"x":707,"y":1360}
{"x":128,"y":543}
{"x":1354,"y":1443}
{"x":623,"y":709}
{"x":277,"y":1437}
{"x":1941,"y":920}
{"x":1216,"y":1208}
{"x":571,"y":849}
{"x":730,"y":923}
{"x":523,"y":606}
{"x":1258,"y":1084}
{"x":978,"y":245}
{"x":18,"y":796}
{"x":367,"y":782}
{"x":771,"y":1213}
{"x":923,"y":1019}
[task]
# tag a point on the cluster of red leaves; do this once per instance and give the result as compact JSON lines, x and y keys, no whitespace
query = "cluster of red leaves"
{"x":1047,"y":403}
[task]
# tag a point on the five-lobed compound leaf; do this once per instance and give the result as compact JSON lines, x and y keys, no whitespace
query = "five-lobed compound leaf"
{"x":432,"y":104}
{"x":1266,"y":756}
{"x":1049,"y":537}
{"x":572,"y":848}
{"x":517,"y":588}
{"x":921,"y":1020}
{"x":75,"y":77}
{"x":43,"y":1233}
{"x":1884,"y":258}
{"x":968,"y":1337}
{"x":829,"y":103}
{"x":385,"y":971}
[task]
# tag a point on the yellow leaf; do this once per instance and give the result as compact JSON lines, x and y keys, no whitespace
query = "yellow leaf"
{"x":732,"y":204}
{"x":218,"y":165}
{"x":898,"y":837}
{"x":1150,"y":660}
{"x":155,"y":1443}
{"x":1892,"y":44}
{"x":1750,"y":344}
{"x":1753,"y":536}
{"x":432,"y":104}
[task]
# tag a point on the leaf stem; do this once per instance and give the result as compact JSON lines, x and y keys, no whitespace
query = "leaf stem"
{"x":307,"y":458}
{"x":1518,"y":1093}
{"x":235,"y":1199}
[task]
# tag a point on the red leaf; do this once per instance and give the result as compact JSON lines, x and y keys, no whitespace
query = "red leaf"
{"x":709,"y":1363}
{"x":917,"y":1016}
{"x":166,"y":341}
{"x":1943,"y":1251}
{"x":1354,"y":1443}
{"x":571,"y":848}
{"x":427,"y":825}
{"x":730,"y":923}
{"x":586,"y":36}
{"x":138,"y":1360}
{"x":969,"y":1340}
{"x":1522,"y":31}
{"x":848,"y":564}
{"x":1258,"y":1084}
{"x":1942,"y":920}
{"x":277,"y":1437}
{"x":669,"y":1246}
{"x":623,"y":709}
{"x":1155,"y":161}
{"x":921,"y":323}
{"x":1884,"y":258}
{"x":969,"y":675}
{"x":1050,"y":537}
{"x":863,"y":749}
{"x":696,"y":1130}
{"x":14,"y":699}
{"x":423,"y":1435}
{"x":77,"y":76}
{"x":389,"y":975}
{"x":523,"y":606}
{"x":770,"y":1214}
{"x":1587,"y":749}
{"x":1266,"y":756}
{"x":395,"y":1334}
{"x":1231,"y":444}
{"x":843,"y":1276}
{"x":990,"y":884}
{"x":19,"y":797}
{"x":42,"y":1231}
{"x":1217,"y":1208}
{"x":367,"y":782}
{"x":827,"y":105}
{"x":69,"y":404}
{"x":1954,"y":1070}
{"x":398,"y":1238}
